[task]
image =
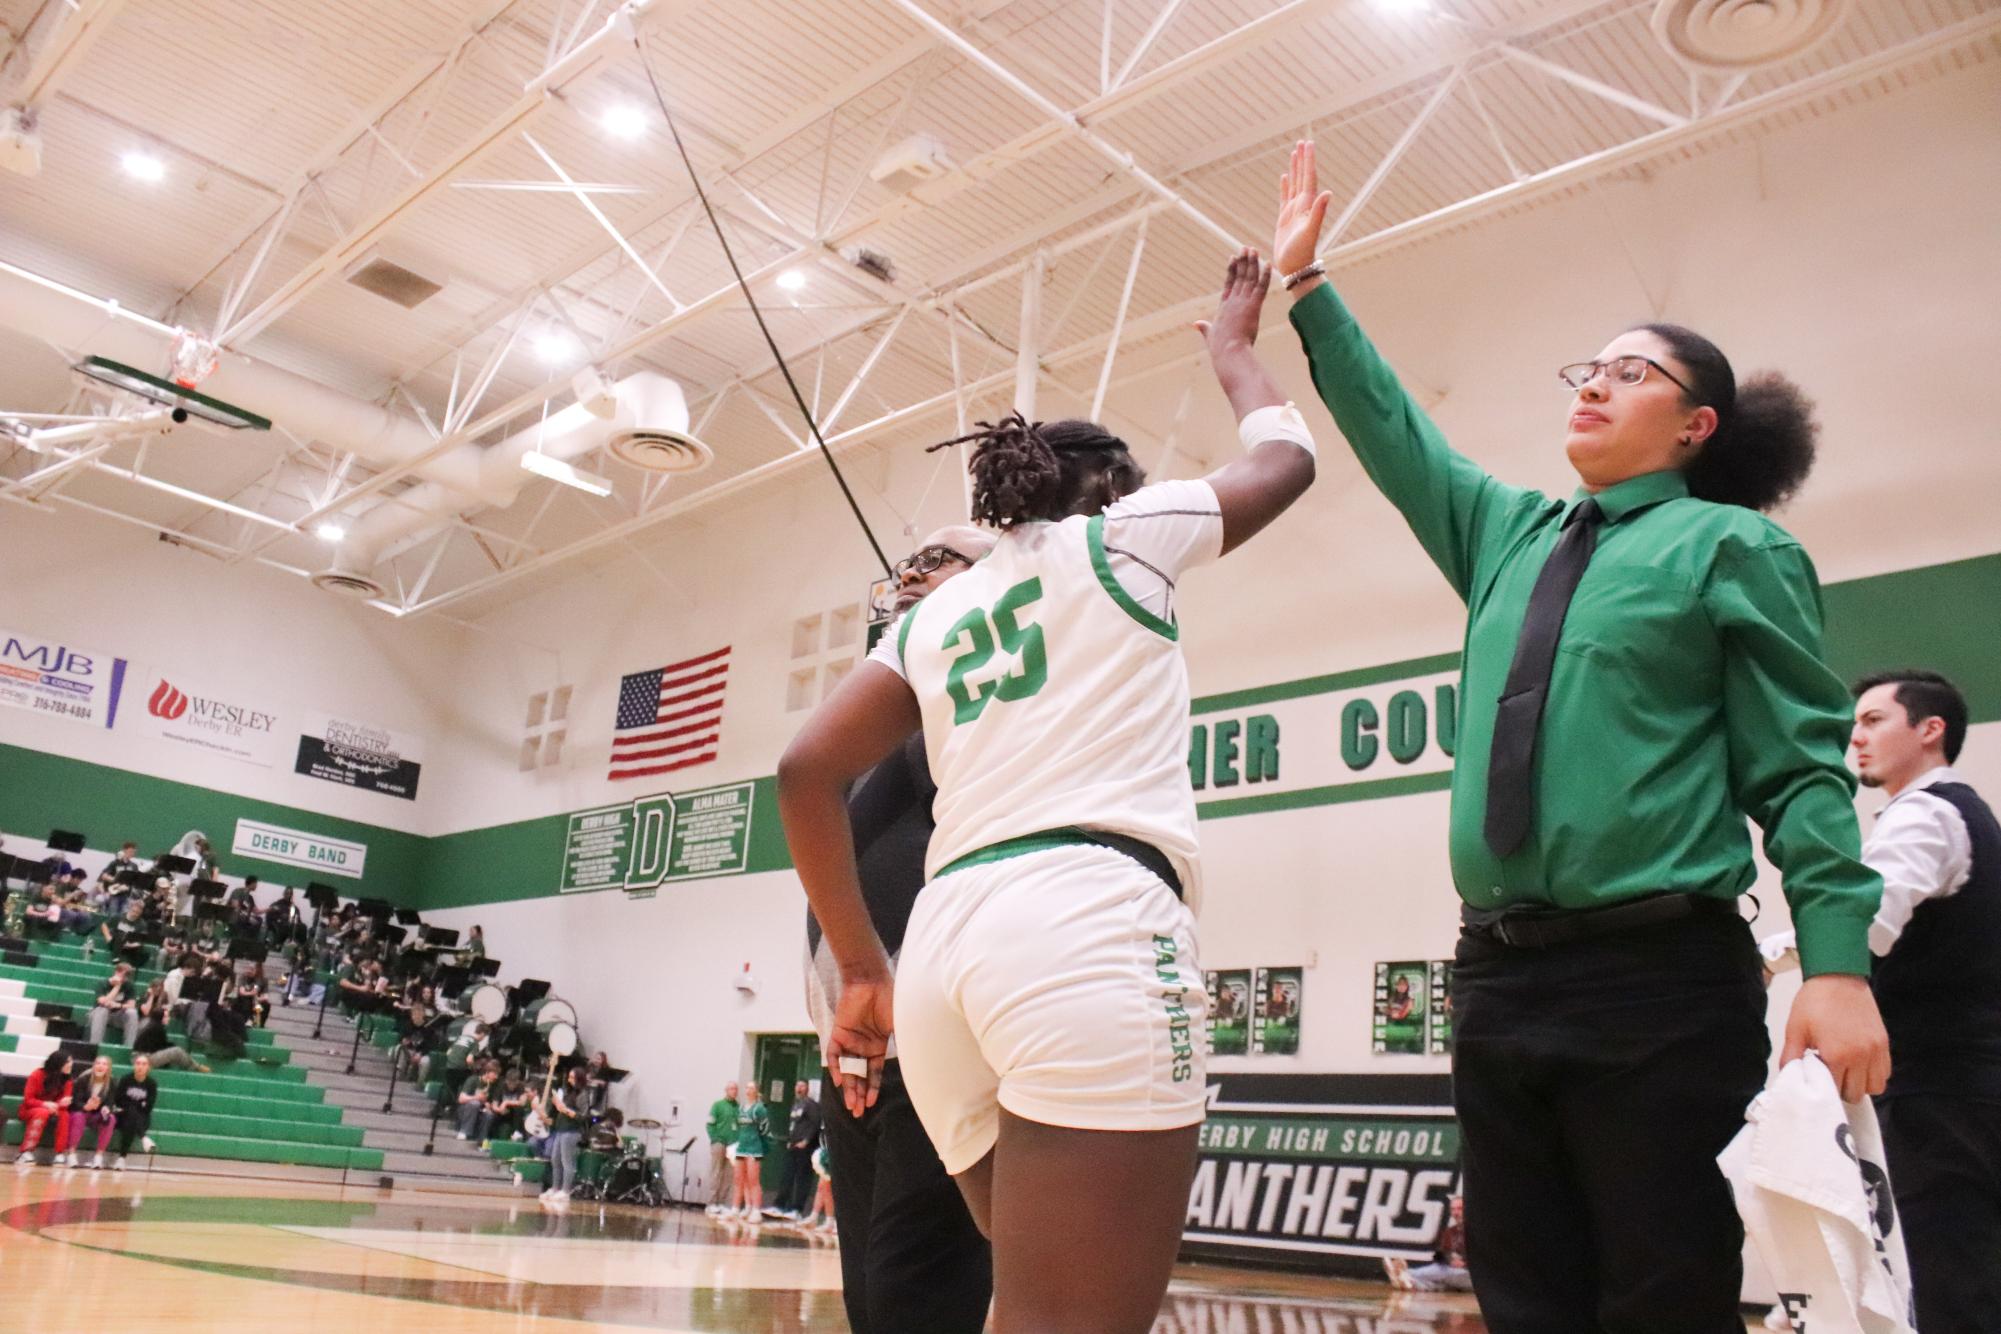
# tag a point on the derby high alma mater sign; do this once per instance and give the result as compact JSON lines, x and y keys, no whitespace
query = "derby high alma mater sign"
{"x":294,"y":847}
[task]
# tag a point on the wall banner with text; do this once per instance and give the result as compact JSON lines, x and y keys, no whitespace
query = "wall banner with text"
{"x":60,"y":680}
{"x":352,"y":754}
{"x":643,"y":844}
{"x":214,"y":722}
{"x":295,"y":847}
{"x":1327,"y":1171}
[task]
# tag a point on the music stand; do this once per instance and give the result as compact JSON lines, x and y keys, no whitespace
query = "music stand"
{"x":206,"y":911}
{"x":378,"y":909}
{"x":443,"y":936}
{"x":139,"y":880}
{"x":487,"y":967}
{"x":245,"y":945}
{"x":408,"y":916}
{"x":451,"y":980}
{"x":62,"y":840}
{"x":173,"y":865}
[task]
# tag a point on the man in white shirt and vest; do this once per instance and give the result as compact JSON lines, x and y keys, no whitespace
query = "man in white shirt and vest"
{"x":1937,"y":938}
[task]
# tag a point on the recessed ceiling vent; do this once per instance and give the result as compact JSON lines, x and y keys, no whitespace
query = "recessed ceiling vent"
{"x":386,"y":278}
{"x":661,"y":451}
{"x":1739,"y":35}
{"x":347,"y":584}
{"x":652,"y":431}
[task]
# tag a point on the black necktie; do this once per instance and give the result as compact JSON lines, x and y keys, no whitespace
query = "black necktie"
{"x":1511,"y":764}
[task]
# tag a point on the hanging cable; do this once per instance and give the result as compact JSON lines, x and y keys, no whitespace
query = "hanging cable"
{"x":750,"y":300}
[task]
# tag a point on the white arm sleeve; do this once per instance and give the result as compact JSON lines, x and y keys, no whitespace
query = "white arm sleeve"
{"x":1156,"y":533}
{"x":1922,"y":850}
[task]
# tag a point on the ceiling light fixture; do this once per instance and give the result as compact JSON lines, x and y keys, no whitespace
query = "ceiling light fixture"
{"x":623,"y":121}
{"x":791,"y":280}
{"x":555,"y":346}
{"x":542,"y":465}
{"x":143,"y":166}
{"x":330,"y":532}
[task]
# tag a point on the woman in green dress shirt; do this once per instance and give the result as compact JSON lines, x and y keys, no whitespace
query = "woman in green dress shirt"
{"x":1642,"y":671}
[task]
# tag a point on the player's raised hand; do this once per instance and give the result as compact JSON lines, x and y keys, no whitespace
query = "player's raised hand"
{"x":1302,"y":211}
{"x":1235,"y":323}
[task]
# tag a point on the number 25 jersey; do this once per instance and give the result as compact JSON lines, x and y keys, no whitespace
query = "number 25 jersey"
{"x":1051,"y":681}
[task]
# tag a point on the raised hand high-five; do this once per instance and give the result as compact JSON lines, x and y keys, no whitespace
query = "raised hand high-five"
{"x":1302,"y":212}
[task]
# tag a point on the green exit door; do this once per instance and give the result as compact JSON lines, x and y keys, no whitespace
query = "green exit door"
{"x":781,"y":1060}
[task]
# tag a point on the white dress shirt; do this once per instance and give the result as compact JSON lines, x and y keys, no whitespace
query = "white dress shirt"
{"x":1921,"y":849}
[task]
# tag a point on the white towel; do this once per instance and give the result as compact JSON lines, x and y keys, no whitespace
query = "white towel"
{"x":1811,"y":1184}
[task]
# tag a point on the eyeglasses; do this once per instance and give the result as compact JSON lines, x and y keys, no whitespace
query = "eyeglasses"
{"x":926,"y":560}
{"x":1626,"y":370}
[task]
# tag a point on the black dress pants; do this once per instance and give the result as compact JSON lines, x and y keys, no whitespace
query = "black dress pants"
{"x":801,"y":1181}
{"x":1595,"y":1084}
{"x":1945,"y":1171}
{"x":912,"y":1259}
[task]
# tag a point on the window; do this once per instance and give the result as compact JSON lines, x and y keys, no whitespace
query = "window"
{"x":824,"y":651}
{"x":545,"y":727}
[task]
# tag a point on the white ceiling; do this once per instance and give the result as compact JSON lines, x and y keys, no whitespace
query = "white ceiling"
{"x":1077,"y":121}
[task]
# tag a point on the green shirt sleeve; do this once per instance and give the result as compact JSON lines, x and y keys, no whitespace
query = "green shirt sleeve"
{"x":1451,"y":503}
{"x":722,"y":1121}
{"x":1786,"y":718}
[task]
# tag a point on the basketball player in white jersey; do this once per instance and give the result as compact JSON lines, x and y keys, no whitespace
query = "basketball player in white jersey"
{"x":1049,"y":1005}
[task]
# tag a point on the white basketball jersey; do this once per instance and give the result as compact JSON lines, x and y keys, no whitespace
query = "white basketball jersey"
{"x":1052,"y":694}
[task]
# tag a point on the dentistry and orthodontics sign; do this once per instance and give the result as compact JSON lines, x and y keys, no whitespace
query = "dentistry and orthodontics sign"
{"x":294,"y":847}
{"x":216,"y":722}
{"x":60,"y":680}
{"x":1330,"y":1172}
{"x":374,"y":759}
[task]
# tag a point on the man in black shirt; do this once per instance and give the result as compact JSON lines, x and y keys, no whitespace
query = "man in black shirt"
{"x":802,"y":1136}
{"x":911,"y":1255}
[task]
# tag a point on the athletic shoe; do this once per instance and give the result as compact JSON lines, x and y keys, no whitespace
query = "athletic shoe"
{"x":26,"y":1160}
{"x":70,"y":1161}
{"x":97,"y":1163}
{"x":146,"y":1143}
{"x":462,"y":1134}
{"x":119,"y":1165}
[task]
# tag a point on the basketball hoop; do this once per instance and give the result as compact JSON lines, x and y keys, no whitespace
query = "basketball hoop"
{"x":194,"y":358}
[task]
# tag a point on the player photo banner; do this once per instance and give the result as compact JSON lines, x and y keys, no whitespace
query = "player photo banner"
{"x":1438,"y":1024}
{"x":352,"y":754}
{"x":1329,"y":1171}
{"x":1229,"y":1011}
{"x":1400,"y":1007}
{"x":1275,"y":1013}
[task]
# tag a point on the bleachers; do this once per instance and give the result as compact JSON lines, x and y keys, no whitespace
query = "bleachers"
{"x":258,"y":1108}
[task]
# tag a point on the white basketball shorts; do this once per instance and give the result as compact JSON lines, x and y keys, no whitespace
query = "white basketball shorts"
{"x":1062,"y":985}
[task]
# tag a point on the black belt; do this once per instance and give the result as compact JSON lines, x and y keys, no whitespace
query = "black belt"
{"x":1146,"y":854}
{"x":1532,"y":927}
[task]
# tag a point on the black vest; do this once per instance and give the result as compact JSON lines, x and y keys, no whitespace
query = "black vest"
{"x":1940,"y":986}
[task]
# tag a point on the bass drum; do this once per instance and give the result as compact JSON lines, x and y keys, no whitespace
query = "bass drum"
{"x":560,"y":1037}
{"x":487,"y":1003}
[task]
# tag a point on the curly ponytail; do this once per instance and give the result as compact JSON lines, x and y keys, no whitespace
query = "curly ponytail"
{"x":1766,"y":431}
{"x":1024,"y":471}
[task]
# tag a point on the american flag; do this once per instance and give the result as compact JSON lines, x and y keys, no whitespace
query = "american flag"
{"x":671,"y":717}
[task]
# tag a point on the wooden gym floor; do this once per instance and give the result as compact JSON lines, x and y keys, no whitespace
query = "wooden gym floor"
{"x":167,"y":1253}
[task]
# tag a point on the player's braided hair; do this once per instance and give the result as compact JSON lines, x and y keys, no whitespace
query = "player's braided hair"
{"x":1023,"y":470}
